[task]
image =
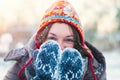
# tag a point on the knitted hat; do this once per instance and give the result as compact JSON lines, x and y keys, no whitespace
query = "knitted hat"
{"x":61,"y":11}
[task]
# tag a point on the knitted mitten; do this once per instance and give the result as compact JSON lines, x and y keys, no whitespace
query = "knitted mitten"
{"x":46,"y":60}
{"x":70,"y":66}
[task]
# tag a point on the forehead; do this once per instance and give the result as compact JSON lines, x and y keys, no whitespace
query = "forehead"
{"x":61,"y":28}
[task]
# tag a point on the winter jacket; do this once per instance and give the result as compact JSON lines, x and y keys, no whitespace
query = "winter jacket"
{"x":23,"y":55}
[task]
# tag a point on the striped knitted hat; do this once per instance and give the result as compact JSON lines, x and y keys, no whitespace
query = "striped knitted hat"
{"x":61,"y":11}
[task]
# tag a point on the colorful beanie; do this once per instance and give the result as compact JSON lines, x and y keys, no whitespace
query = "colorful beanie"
{"x":61,"y":11}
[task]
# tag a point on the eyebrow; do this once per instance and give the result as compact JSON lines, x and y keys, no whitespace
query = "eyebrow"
{"x":52,"y":34}
{"x":66,"y":36}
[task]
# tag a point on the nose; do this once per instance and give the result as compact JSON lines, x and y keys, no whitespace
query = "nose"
{"x":61,"y":44}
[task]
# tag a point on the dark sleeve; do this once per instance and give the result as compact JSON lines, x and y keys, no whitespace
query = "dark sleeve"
{"x":12,"y":73}
{"x":20,"y":56}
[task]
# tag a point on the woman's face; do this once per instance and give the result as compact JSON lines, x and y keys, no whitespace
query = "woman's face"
{"x":63,"y":34}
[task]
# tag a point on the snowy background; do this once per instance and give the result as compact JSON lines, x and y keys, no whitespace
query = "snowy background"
{"x":19,"y":19}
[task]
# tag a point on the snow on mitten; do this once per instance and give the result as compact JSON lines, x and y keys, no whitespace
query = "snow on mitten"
{"x":46,"y":60}
{"x":70,"y":66}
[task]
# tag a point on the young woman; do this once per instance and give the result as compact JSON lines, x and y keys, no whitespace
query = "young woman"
{"x":58,"y":50}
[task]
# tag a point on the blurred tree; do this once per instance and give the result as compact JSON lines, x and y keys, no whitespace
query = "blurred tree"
{"x":118,"y":19}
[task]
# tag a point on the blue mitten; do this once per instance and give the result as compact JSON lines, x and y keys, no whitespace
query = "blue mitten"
{"x":70,"y":66}
{"x":46,"y":60}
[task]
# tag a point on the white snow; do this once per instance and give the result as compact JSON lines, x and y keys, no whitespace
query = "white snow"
{"x":5,"y":40}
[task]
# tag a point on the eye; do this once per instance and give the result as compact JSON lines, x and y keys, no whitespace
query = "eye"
{"x":51,"y":38}
{"x":68,"y":40}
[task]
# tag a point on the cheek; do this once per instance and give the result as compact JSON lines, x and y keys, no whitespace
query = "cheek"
{"x":72,"y":45}
{"x":69,"y":45}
